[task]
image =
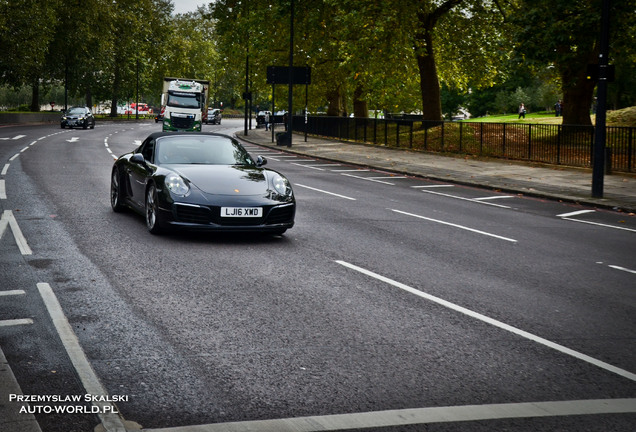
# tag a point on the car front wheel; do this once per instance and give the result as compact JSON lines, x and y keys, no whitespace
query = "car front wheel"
{"x":152,"y":211}
{"x":116,"y":195}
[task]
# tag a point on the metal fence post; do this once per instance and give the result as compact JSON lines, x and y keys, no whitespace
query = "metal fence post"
{"x":558,"y":144}
{"x":529,"y":142}
{"x":629,"y":150}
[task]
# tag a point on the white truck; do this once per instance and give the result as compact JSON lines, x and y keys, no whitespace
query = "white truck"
{"x":184,"y":104}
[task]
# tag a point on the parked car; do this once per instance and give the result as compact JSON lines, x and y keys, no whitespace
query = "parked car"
{"x":202,"y":181}
{"x":78,"y":116}
{"x":214,"y":116}
{"x":159,"y":114}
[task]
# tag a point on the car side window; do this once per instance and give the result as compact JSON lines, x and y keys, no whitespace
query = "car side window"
{"x":148,"y":150}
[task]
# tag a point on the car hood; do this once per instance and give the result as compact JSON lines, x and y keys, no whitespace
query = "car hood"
{"x":225,"y":180}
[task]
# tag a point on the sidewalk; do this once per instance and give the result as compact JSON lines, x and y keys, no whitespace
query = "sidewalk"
{"x":554,"y":182}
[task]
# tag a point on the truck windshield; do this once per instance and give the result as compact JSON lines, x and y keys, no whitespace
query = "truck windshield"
{"x":184,"y":100}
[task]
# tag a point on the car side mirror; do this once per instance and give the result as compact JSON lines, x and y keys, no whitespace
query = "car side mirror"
{"x":138,"y":158}
{"x":260,"y":161}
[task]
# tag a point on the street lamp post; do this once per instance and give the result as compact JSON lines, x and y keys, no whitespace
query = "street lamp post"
{"x":291,"y":75}
{"x":598,"y":169}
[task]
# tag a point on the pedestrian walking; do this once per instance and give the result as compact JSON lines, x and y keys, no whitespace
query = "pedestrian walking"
{"x":266,"y":121}
{"x":522,"y":111}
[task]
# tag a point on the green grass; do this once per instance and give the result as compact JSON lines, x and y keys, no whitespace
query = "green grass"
{"x":538,"y":117}
{"x":623,"y":117}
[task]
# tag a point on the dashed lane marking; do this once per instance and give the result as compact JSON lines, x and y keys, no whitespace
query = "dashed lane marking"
{"x":524,"y":334}
{"x":15,"y":322}
{"x":368,"y":179}
{"x":325,"y":192}
{"x":455,"y":225}
{"x":12,"y":292}
{"x":466,"y":199}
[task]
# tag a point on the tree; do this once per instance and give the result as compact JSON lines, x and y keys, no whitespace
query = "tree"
{"x":27,"y":28}
{"x":565,"y":34}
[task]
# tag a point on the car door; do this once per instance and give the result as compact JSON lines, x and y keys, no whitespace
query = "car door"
{"x":138,"y":171}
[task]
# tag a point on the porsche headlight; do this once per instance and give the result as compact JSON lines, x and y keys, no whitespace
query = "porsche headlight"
{"x":281,"y":185}
{"x":176,"y":184}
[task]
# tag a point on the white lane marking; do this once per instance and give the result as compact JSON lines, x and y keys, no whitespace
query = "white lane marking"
{"x":493,"y":197}
{"x":466,"y":199}
{"x":24,"y":149}
{"x":493,"y":322}
{"x":323,"y":191}
{"x":351,"y":170}
{"x":7,"y":219}
{"x":434,"y":186}
{"x":73,"y":139}
{"x":575,"y":213}
{"x":615,"y":267}
{"x":14,"y":157}
{"x":14,"y":322}
{"x":110,"y":420}
{"x":3,"y":190}
{"x":456,"y":226}
{"x":18,"y":137}
{"x":412,"y":416}
{"x":600,"y":224}
{"x":5,"y":169}
{"x":387,"y":177}
{"x":12,"y":292}
{"x":368,"y":179}
{"x":307,"y":166}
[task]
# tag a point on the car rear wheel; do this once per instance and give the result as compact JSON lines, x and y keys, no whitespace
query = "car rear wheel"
{"x":116,"y":192}
{"x":152,"y":211}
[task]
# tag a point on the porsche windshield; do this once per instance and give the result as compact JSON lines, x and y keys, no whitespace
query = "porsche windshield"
{"x":206,"y":150}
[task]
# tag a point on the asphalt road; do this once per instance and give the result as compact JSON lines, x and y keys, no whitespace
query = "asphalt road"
{"x":392,"y":298}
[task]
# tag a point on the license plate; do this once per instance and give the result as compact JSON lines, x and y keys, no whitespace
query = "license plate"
{"x":241,"y":211}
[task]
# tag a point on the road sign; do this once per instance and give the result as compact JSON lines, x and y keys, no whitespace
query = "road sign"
{"x":280,"y":75}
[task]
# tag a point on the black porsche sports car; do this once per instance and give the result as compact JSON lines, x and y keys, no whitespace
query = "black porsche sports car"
{"x":201,"y":181}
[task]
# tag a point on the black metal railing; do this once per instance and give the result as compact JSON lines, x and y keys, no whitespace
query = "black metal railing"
{"x":544,"y":143}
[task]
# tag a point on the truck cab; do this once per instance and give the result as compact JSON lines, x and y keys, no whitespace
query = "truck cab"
{"x":184,"y":102}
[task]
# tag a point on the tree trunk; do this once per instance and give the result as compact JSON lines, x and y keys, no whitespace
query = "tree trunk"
{"x":360,"y":107}
{"x":429,"y":86}
{"x":334,"y":109}
{"x":115,"y":98}
{"x":35,"y":95}
{"x":425,"y":54}
{"x":577,"y":100}
{"x":89,"y":98}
